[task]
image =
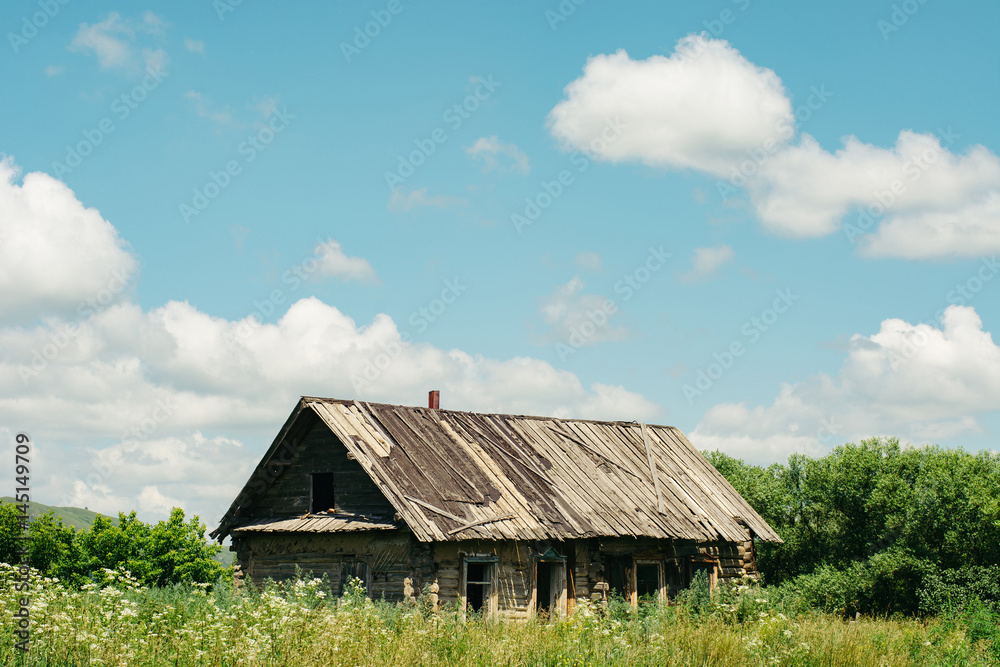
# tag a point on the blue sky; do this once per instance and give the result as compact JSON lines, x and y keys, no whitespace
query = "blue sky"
{"x":640,"y":211}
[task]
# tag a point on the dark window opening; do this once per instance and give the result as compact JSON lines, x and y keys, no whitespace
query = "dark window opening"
{"x":477,"y":586}
{"x":322,"y":497}
{"x":674,"y":580}
{"x":351,"y":569}
{"x":647,"y":581}
{"x":549,"y":580}
{"x":617,"y":572}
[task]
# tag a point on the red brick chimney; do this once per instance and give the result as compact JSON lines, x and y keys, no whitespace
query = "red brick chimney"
{"x":434,"y":399}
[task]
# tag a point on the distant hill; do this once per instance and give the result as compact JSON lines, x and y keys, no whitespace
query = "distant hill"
{"x":81,"y":518}
{"x":77,"y":517}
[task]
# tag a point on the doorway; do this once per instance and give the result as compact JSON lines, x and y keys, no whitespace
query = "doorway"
{"x":549,"y":584}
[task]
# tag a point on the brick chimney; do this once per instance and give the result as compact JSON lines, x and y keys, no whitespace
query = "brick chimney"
{"x":434,"y":399}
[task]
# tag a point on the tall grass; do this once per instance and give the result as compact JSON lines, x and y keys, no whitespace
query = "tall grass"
{"x":299,"y":623}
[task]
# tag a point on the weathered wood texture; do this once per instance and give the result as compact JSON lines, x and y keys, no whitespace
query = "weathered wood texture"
{"x":459,"y":475}
{"x":395,"y":560}
{"x":289,"y":495}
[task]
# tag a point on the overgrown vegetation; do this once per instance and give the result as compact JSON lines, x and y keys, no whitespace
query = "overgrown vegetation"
{"x":300,"y":623}
{"x":879,"y":528}
{"x":908,"y":537}
{"x":169,"y":552}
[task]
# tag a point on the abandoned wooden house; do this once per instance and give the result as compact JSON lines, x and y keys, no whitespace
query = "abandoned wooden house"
{"x":503,"y":514}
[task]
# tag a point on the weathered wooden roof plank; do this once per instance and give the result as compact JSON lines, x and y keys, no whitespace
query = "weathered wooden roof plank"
{"x":450,"y":474}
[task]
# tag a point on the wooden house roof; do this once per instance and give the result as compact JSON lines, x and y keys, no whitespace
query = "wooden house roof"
{"x":454,"y":475}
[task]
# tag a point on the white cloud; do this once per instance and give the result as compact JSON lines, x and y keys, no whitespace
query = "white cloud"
{"x":589,"y":261}
{"x":333,"y":262}
{"x":54,"y":70}
{"x":706,"y":262}
{"x":400,"y":202}
{"x":706,"y":107}
{"x":702,"y":108}
{"x":568,"y":312}
{"x":153,"y":501}
{"x":490,"y":148}
{"x":55,"y":254}
{"x":136,"y":390}
{"x":935,"y":203}
{"x":194,"y":45}
{"x":113,"y":42}
{"x":915,"y":381}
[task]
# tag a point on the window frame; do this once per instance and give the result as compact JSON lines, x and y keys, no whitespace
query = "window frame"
{"x":491,"y":563}
{"x":557,"y":586}
{"x":660,"y":578}
{"x":355,"y":560}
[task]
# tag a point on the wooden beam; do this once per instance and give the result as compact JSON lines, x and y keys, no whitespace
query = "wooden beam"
{"x":434,"y":509}
{"x":652,"y":470}
{"x":473,"y":524}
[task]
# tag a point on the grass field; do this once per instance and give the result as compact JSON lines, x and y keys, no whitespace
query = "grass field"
{"x":299,"y":624}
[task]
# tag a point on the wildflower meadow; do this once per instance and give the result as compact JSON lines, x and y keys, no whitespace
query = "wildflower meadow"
{"x":300,"y":623}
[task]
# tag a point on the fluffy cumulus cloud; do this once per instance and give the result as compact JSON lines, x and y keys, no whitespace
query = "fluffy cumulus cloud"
{"x":707,"y":108}
{"x":706,"y":262}
{"x":703,"y":107}
{"x":173,"y":406}
{"x":153,"y":395}
{"x":922,"y":382}
{"x":56,"y":255}
{"x":917,"y":199}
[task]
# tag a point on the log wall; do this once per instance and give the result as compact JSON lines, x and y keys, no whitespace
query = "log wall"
{"x":401,"y":568}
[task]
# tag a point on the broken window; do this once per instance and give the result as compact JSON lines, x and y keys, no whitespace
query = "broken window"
{"x":351,"y":568}
{"x":648,"y":582}
{"x":705,"y":564}
{"x":550,"y":583}
{"x":618,"y":570}
{"x":479,"y":575}
{"x":321,"y":498}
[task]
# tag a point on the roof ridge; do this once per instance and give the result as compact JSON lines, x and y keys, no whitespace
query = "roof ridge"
{"x":348,"y":401}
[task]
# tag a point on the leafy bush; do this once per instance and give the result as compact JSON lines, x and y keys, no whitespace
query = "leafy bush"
{"x":946,"y":591}
{"x":171,"y":551}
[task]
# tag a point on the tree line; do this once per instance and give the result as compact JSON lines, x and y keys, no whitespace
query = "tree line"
{"x":876,"y":527}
